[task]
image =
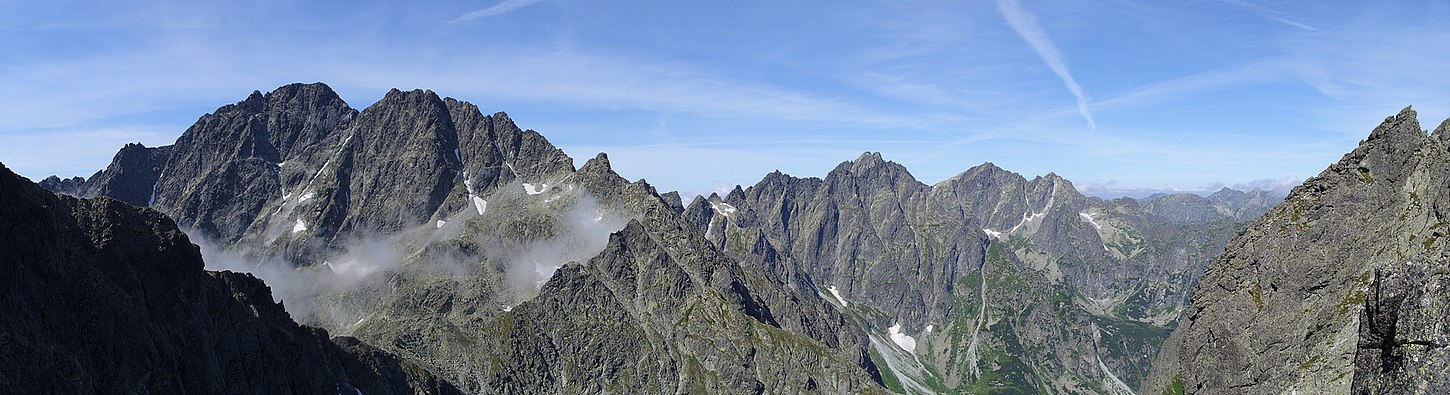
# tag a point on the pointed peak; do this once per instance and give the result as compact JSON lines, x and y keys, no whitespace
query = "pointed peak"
{"x":869,"y":157}
{"x":416,"y":94}
{"x":986,"y":166}
{"x":600,"y":159}
{"x":1442,"y":133}
{"x":736,"y":194}
{"x":698,"y":201}
{"x":298,"y":87}
{"x":1402,"y":127}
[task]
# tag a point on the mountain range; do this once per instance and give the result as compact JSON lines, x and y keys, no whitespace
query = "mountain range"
{"x":475,"y":254}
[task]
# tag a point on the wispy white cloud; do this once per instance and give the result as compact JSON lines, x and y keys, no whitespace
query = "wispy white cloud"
{"x":1187,"y":86}
{"x":1268,"y":13}
{"x":1025,"y":24}
{"x":501,"y":8}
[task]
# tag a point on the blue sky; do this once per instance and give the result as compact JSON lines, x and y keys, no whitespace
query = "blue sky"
{"x":1121,"y":97}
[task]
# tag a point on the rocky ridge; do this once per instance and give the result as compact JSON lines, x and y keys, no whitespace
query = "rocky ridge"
{"x":103,"y":297}
{"x":1335,"y":290}
{"x":991,"y":281}
{"x":861,"y":281}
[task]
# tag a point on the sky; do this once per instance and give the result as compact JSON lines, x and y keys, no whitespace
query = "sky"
{"x":1123,"y":97}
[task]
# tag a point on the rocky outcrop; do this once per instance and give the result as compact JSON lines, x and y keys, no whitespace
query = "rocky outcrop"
{"x":102,"y":297}
{"x":1336,"y":289}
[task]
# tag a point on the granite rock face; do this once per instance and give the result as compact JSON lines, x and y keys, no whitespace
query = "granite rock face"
{"x":474,"y":218}
{"x":987,"y":281}
{"x":102,"y":297}
{"x":454,"y":239}
{"x":1335,"y":290}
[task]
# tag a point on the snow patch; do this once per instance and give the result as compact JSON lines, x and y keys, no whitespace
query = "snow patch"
{"x":508,"y":308}
{"x":992,"y":233}
{"x":479,"y":204}
{"x":532,"y":190}
{"x":458,"y":155}
{"x":1089,"y":218}
{"x":906,"y":342}
{"x":1032,"y":216}
{"x":299,"y":226}
{"x":306,"y":197}
{"x":837,"y":294}
{"x":723,"y":208}
{"x":928,"y":329}
{"x":441,"y":223}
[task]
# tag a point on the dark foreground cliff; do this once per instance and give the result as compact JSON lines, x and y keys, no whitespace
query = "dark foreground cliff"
{"x":99,"y":296}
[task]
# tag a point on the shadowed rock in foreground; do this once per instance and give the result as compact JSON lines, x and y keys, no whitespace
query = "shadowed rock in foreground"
{"x":99,"y":296}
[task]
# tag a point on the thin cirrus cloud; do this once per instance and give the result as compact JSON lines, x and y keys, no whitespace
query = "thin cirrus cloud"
{"x":1268,"y":13}
{"x":1026,"y":26}
{"x":501,"y":8}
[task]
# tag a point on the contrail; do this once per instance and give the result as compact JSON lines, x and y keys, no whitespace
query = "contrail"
{"x":1025,"y":24}
{"x":497,"y":9}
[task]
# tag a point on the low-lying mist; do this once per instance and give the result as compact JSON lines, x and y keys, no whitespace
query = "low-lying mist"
{"x":351,"y":283}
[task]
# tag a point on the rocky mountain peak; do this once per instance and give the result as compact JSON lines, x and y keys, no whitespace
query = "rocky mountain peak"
{"x":871,"y":169}
{"x":1310,"y":297}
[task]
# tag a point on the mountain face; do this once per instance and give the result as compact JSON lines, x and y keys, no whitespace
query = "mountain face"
{"x":988,"y":280}
{"x":437,"y":233}
{"x":1335,"y":290}
{"x":457,"y":241}
{"x":102,"y":297}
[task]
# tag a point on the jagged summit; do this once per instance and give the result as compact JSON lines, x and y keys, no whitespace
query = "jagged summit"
{"x":1312,"y":296}
{"x":477,"y":246}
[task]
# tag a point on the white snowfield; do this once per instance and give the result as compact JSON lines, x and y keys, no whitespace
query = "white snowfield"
{"x":535,"y":190}
{"x":837,"y":294}
{"x":906,"y":342}
{"x":299,"y":226}
{"x":723,"y":208}
{"x":479,"y":204}
{"x":1089,"y":218}
{"x":992,"y":233}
